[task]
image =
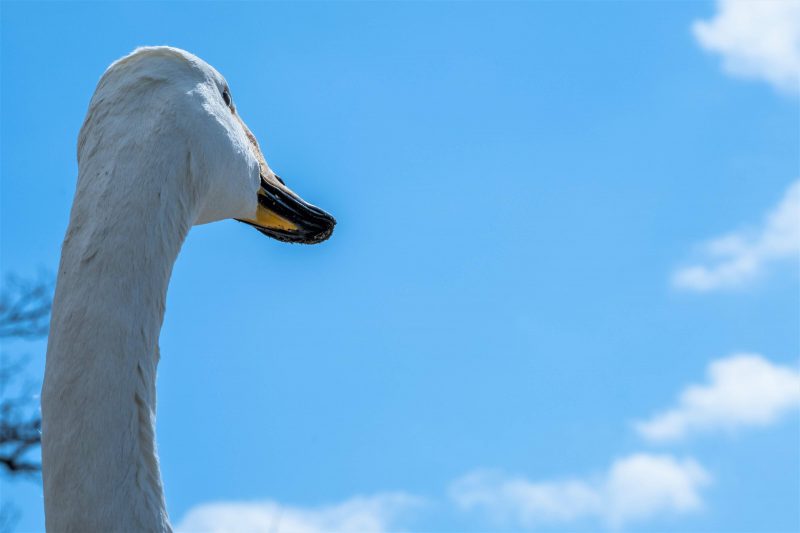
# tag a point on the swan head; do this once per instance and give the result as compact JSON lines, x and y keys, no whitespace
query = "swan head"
{"x":185,"y":109}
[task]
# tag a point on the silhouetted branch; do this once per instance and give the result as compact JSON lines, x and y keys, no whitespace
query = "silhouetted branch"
{"x":24,"y":313}
{"x":20,"y":432}
{"x":25,"y":308}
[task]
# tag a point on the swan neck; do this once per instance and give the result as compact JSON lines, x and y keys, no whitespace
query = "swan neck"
{"x":100,"y":466}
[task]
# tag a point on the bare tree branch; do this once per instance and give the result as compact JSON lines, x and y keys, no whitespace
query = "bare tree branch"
{"x":24,"y":314}
{"x":20,"y":432}
{"x":25,"y":308}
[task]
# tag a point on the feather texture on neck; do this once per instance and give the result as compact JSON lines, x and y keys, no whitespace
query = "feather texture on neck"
{"x":134,"y":204}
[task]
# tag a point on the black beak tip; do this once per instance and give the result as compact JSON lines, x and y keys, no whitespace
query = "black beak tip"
{"x":323,"y":231}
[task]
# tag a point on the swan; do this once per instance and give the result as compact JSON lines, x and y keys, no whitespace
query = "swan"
{"x":162,"y":148}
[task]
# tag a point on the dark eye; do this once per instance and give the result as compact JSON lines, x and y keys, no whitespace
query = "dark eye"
{"x":226,"y":95}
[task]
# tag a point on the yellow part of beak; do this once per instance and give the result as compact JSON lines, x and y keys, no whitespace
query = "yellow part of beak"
{"x":268,"y":219}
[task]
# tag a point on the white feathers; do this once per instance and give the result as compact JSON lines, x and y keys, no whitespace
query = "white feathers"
{"x":158,"y":152}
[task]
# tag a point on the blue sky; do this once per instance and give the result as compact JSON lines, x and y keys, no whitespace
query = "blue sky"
{"x":554,"y":220}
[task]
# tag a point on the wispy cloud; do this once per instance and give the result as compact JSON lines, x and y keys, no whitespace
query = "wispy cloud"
{"x":380,"y":512}
{"x":757,"y":39}
{"x":742,"y":390}
{"x":634,"y":488}
{"x":739,"y":257}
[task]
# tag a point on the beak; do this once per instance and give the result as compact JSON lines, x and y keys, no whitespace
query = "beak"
{"x":283,"y":215}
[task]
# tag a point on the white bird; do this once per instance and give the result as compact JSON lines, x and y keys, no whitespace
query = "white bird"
{"x":162,"y":148}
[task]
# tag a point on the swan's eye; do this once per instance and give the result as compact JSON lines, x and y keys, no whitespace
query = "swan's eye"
{"x":226,"y":95}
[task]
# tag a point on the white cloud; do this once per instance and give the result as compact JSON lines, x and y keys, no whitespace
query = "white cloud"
{"x":634,"y":488}
{"x":372,"y":514}
{"x":757,"y":39}
{"x":743,"y":390}
{"x":739,"y":257}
